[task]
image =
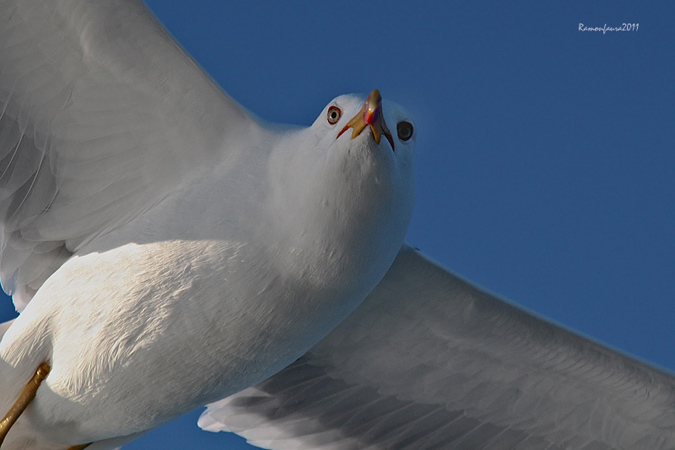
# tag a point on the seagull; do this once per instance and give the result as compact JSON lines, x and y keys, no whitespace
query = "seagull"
{"x":168,"y":249}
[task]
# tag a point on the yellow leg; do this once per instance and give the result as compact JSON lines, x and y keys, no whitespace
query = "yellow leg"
{"x":79,"y":447}
{"x":21,"y":403}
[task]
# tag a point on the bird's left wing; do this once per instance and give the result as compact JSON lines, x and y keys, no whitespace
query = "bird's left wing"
{"x":101,"y":115}
{"x":429,"y":361}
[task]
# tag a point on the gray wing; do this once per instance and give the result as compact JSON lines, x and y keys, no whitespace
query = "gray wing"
{"x":101,"y":114}
{"x":429,"y":361}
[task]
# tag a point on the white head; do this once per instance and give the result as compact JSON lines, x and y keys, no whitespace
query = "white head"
{"x":349,"y":184}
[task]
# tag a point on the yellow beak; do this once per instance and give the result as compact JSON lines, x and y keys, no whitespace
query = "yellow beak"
{"x":370,"y":115}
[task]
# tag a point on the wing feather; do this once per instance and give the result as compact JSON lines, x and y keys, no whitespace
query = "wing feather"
{"x":101,"y":115}
{"x":430,"y":361}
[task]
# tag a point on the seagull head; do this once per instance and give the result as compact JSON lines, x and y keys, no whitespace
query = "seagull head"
{"x":349,"y":180}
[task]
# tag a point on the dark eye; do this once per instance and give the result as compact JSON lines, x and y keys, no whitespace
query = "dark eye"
{"x":334,"y":115}
{"x":404,"y":130}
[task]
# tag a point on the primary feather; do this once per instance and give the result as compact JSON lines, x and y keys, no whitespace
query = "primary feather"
{"x":430,"y":361}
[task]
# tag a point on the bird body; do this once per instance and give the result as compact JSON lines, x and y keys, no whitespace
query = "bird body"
{"x":167,"y":249}
{"x":216,"y":284}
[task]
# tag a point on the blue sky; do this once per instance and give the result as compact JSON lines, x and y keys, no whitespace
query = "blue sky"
{"x":545,"y":155}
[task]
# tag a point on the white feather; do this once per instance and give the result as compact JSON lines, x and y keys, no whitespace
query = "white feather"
{"x":146,"y":225}
{"x":102,"y":114}
{"x":430,"y":361}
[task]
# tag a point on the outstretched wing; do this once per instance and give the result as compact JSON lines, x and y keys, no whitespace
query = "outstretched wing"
{"x":429,"y":361}
{"x":101,"y":114}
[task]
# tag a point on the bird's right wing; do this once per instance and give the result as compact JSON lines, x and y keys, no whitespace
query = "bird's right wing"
{"x":429,"y":361}
{"x":101,"y":115}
